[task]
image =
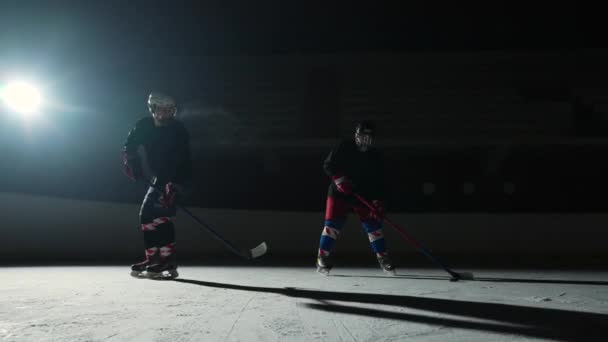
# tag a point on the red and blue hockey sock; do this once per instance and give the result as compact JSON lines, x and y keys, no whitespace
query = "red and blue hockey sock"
{"x":329,"y":235}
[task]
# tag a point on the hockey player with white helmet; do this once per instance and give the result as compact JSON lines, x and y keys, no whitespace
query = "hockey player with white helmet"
{"x":166,"y":144}
{"x":162,"y":107}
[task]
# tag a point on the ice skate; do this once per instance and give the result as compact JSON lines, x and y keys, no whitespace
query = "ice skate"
{"x":323,"y":265}
{"x":387,"y":265}
{"x":166,"y":269}
{"x":139,"y":270}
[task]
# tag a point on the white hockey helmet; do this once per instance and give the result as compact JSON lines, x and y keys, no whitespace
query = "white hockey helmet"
{"x":162,"y":102}
{"x":364,"y":135}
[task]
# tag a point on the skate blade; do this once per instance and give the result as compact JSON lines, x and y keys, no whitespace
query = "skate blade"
{"x":323,"y":271}
{"x":162,"y":275}
{"x":138,"y":274}
{"x":390,"y":272}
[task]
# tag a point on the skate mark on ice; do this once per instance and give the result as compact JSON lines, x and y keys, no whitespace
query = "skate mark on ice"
{"x":311,"y":326}
{"x":487,"y":316}
{"x":286,"y":327}
{"x":338,"y":330}
{"x":397,"y":276}
{"x":434,"y":292}
{"x":483,"y":279}
{"x":348,"y":331}
{"x":239,"y":317}
{"x":307,"y":329}
{"x":538,"y":299}
{"x":433,"y":332}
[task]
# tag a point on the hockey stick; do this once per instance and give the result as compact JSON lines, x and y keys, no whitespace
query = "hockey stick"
{"x":248,"y":254}
{"x":455,"y":275}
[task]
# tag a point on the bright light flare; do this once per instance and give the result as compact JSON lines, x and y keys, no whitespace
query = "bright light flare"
{"x":21,"y":97}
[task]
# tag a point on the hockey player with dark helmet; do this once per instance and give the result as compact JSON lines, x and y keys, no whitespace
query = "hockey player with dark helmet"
{"x":166,"y":143}
{"x":354,"y":165}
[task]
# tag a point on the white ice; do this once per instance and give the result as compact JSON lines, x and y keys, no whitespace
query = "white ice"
{"x":103,"y":303}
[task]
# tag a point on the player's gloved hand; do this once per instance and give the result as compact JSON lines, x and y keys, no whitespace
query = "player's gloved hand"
{"x":131,"y":166}
{"x":379,"y":210}
{"x":343,"y":184}
{"x":169,"y":198}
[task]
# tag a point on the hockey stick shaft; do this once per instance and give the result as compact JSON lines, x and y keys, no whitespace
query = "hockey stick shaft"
{"x":411,"y":240}
{"x":206,"y":226}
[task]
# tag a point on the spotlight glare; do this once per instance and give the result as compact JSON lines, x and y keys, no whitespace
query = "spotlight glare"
{"x":21,"y":97}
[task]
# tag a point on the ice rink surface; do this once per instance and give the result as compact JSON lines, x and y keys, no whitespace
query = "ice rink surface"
{"x":104,"y":303}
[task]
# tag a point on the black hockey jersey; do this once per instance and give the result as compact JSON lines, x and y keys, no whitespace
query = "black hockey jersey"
{"x":364,"y":169}
{"x":167,"y":149}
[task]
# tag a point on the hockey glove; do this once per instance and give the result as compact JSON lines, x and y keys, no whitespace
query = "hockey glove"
{"x":132,"y":166}
{"x":343,"y":184}
{"x":379,"y":210}
{"x":172,"y":190}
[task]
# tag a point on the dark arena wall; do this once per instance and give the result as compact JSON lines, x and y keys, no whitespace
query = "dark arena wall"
{"x":42,"y":229}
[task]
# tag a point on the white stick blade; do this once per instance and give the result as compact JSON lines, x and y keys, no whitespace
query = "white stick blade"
{"x":466,"y":276}
{"x":259,"y":250}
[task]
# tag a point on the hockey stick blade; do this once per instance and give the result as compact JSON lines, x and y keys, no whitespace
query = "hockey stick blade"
{"x":257,"y":251}
{"x":466,"y":276}
{"x":456,"y":276}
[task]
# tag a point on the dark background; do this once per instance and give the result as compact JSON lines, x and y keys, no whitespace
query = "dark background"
{"x":498,"y":108}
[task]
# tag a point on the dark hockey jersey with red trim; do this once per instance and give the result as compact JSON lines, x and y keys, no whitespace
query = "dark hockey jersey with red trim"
{"x":167,"y":149}
{"x":364,"y":169}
